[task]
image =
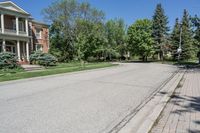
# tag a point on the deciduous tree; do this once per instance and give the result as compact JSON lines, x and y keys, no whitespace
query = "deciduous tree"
{"x":65,"y":16}
{"x":140,"y":38}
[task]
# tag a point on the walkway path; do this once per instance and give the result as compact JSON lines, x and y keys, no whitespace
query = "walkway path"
{"x":182,"y":113}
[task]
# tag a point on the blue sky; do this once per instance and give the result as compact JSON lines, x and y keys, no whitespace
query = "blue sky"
{"x":129,"y":10}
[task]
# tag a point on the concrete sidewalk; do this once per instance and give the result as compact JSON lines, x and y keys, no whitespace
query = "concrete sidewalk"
{"x":182,"y":113}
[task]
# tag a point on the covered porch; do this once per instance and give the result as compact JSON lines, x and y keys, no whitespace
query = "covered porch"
{"x":19,"y":47}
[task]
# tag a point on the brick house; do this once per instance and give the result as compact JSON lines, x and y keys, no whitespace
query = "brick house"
{"x":21,"y":34}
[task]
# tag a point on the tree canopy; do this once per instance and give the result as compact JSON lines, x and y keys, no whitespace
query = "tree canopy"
{"x":160,"y":29}
{"x":140,"y":38}
{"x":196,"y":27}
{"x":71,"y":21}
{"x":79,"y":31}
{"x":175,"y":38}
{"x":187,"y":37}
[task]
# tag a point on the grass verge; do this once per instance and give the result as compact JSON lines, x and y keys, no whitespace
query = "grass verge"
{"x":51,"y":71}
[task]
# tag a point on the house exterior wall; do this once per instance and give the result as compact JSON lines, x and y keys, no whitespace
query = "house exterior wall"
{"x":17,"y":26}
{"x":8,"y":21}
{"x":44,"y":40}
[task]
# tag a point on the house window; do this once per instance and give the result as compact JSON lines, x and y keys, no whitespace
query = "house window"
{"x":38,"y":47}
{"x":11,"y":49}
{"x":21,"y":26}
{"x":14,"y":24}
{"x":38,"y":33}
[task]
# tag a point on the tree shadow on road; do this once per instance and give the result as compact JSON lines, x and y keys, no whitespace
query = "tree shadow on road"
{"x":193,"y":131}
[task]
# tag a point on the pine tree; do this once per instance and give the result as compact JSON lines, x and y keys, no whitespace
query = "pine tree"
{"x":196,"y":27}
{"x":160,"y":29}
{"x":188,"y":49}
{"x":175,"y":38}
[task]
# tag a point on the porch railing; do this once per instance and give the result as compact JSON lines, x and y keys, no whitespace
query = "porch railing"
{"x":13,"y":32}
{"x":22,"y":32}
{"x":10,"y":31}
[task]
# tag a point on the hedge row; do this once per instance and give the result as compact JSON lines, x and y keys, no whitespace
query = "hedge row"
{"x":9,"y":60}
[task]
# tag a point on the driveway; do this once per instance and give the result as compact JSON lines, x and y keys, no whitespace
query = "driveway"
{"x":85,"y":102}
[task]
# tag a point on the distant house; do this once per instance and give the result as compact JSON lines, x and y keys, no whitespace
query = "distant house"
{"x":21,"y":34}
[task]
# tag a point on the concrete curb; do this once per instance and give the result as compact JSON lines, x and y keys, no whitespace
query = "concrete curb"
{"x":144,"y":119}
{"x":56,"y":75}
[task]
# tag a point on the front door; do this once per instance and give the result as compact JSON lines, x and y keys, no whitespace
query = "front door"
{"x":11,"y":48}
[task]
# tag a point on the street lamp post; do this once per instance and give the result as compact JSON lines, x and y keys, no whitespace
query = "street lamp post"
{"x":179,"y":50}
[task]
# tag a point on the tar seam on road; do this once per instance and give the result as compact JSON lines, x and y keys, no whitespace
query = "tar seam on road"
{"x":127,"y":118}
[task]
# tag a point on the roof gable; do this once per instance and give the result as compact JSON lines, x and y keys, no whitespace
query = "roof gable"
{"x":12,"y":6}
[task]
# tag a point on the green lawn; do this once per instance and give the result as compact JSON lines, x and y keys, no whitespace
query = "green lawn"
{"x":60,"y":68}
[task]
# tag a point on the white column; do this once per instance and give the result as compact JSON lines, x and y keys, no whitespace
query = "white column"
{"x":17,"y":25}
{"x":26,"y":21}
{"x":2,"y":23}
{"x":4,"y":45}
{"x":27,"y":50}
{"x":18,"y":50}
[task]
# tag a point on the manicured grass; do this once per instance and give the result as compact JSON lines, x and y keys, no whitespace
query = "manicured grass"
{"x":3,"y":72}
{"x":61,"y":68}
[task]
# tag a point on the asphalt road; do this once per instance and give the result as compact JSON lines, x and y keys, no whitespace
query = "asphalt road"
{"x":84,"y":102}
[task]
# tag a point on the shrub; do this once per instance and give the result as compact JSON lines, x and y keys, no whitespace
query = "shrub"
{"x":47,"y":60}
{"x":8,"y":60}
{"x":43,"y":59}
{"x":91,"y":59}
{"x":34,"y":57}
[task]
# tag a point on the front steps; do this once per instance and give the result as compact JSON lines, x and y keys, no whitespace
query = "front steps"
{"x":28,"y":67}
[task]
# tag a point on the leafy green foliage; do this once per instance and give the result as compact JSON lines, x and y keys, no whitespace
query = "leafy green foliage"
{"x":116,"y":38}
{"x":8,"y":60}
{"x":79,"y":32}
{"x":42,"y":59}
{"x":90,"y":39}
{"x":66,"y":31}
{"x":140,"y":39}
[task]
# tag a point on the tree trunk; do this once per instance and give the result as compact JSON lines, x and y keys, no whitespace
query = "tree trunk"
{"x":158,"y":56}
{"x":105,"y":55}
{"x":199,"y":59}
{"x":198,"y":55}
{"x":161,"y":55}
{"x":143,"y":58}
{"x":110,"y":57}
